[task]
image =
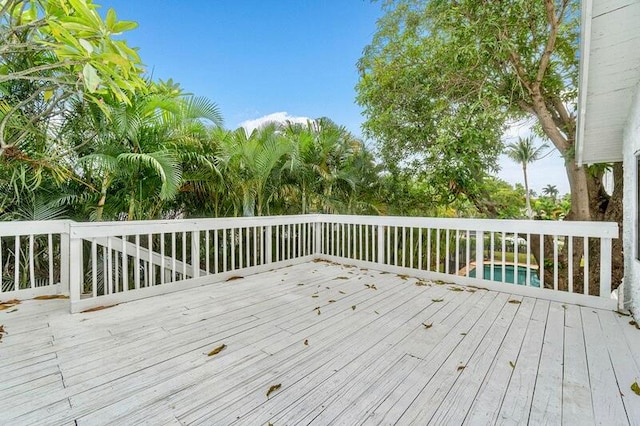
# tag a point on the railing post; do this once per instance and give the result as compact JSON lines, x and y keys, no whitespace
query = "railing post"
{"x":479,"y":254}
{"x":605,"y":267}
{"x":317,"y":236}
{"x":380,"y":244}
{"x":195,"y":254}
{"x":268,"y":243}
{"x":75,"y":271}
{"x":64,"y":260}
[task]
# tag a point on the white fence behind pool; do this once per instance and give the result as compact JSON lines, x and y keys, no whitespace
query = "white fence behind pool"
{"x":104,"y":263}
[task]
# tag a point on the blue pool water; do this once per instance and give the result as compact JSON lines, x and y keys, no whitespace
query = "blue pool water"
{"x":509,"y":274}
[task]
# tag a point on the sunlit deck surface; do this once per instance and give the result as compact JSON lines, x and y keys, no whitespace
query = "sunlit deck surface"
{"x":346,"y":346}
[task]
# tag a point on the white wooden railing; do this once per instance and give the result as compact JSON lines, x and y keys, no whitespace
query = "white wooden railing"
{"x":106,"y":263}
{"x":34,"y":259}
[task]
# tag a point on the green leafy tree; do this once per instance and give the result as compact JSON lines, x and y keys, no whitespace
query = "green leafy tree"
{"x":525,"y":152}
{"x":438,"y":68}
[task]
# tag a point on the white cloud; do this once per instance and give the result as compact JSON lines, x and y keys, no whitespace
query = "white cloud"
{"x":276,"y":117}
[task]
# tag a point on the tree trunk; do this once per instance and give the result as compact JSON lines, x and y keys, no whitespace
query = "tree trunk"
{"x":527,"y":196}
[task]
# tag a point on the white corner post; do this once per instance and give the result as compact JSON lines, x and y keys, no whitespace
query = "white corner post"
{"x":75,"y":271}
{"x":65,"y":263}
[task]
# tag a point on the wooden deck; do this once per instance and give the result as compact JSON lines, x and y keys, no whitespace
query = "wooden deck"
{"x":342,"y":351}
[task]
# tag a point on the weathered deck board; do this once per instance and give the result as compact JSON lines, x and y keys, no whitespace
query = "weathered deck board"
{"x":146,"y":362}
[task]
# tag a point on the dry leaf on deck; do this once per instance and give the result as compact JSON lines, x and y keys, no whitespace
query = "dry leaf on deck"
{"x":463,"y":334}
{"x":342,"y":292}
{"x":51,"y":296}
{"x":237,"y":277}
{"x":455,"y":289}
{"x":341,"y":278}
{"x":300,"y":284}
{"x":353,"y":307}
{"x":97,"y":308}
{"x":439,"y":282}
{"x":332,"y":301}
{"x":273,"y":388}
{"x":437,"y":300}
{"x":2,"y":332}
{"x":9,"y":304}
{"x":403,"y":276}
{"x":515,"y":302}
{"x":512,"y":364}
{"x":420,"y":283}
{"x":306,"y":342}
{"x":461,"y":367}
{"x":376,"y":312}
{"x":635,"y":388}
{"x":217,"y":350}
{"x":427,"y":325}
{"x":314,"y":295}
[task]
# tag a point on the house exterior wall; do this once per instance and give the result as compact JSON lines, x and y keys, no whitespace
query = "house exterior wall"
{"x":631,"y":148}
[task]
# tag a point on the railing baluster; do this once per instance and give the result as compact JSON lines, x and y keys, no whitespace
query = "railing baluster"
{"x":457,"y":252}
{"x":468,"y":253}
{"x":184,"y":256}
{"x":528,"y":276}
{"x":16,"y":263}
{"x":504,"y":257}
{"x":420,"y":248}
{"x":152,"y":268}
{"x":49,"y":253}
{"x":570,"y":263}
{"x":429,"y":232}
{"x":492,"y":258}
{"x":541,"y":265}
{"x":162,"y":259}
{"x":586,"y":265}
{"x":216,"y":253}
{"x":411,"y":247}
{"x":207,"y":253}
{"x":605,"y":267}
{"x":137,"y":270}
{"x":255,"y":246}
{"x":174,"y":256}
{"x":110,"y":266}
{"x":447,"y":251}
{"x":125,"y":266}
{"x":555,"y":262}
{"x":32,"y":273}
{"x":94,"y":268}
{"x":516,"y":259}
{"x":395,"y":245}
{"x":438,"y":250}
{"x":1,"y":266}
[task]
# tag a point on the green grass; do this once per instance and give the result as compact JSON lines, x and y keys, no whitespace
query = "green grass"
{"x":509,"y":256}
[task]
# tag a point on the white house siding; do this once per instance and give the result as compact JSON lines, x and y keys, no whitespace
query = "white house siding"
{"x":631,"y":150}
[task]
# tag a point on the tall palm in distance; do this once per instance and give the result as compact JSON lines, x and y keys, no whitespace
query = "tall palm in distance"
{"x":551,"y":191}
{"x":525,"y":152}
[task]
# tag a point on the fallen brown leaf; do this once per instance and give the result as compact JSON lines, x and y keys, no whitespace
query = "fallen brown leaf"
{"x":306,"y":342}
{"x":332,"y":301}
{"x":403,"y":276}
{"x":353,"y":308}
{"x":217,"y":350}
{"x":342,"y":292}
{"x":455,"y":289}
{"x":437,"y":300}
{"x":273,"y":388}
{"x":515,"y":302}
{"x":635,"y":388}
{"x":51,"y":296}
{"x":2,"y":332}
{"x":461,"y":367}
{"x":429,"y":325}
{"x":235,"y":277}
{"x":512,"y":364}
{"x":97,"y":308}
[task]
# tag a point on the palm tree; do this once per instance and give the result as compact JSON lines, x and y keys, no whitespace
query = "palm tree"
{"x":525,"y":152}
{"x":550,"y":191}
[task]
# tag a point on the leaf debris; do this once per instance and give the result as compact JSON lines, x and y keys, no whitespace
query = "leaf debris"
{"x":2,"y":332}
{"x":515,"y":302}
{"x":461,"y":367}
{"x":512,"y":364}
{"x":306,"y":342}
{"x":317,"y":308}
{"x":273,"y":388}
{"x":98,"y":308}
{"x":429,"y":325}
{"x":9,"y":304}
{"x":341,"y":278}
{"x":353,"y":308}
{"x":332,"y":301}
{"x":371,"y":286}
{"x":635,"y":388}
{"x":342,"y":292}
{"x":51,"y":296}
{"x":421,"y":283}
{"x":437,"y":300}
{"x":217,"y":350}
{"x":403,"y":276}
{"x":238,"y":277}
{"x":455,"y":289}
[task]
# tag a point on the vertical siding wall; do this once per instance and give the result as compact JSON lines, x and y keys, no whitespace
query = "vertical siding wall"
{"x":630,"y":225}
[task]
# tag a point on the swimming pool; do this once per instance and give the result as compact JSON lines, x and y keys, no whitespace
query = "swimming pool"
{"x":509,"y":274}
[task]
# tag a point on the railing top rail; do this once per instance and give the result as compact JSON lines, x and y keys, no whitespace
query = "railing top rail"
{"x":16,"y":228}
{"x":105,"y":229}
{"x":571,"y":228}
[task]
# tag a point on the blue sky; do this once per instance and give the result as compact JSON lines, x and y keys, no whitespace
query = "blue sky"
{"x":256,"y":58}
